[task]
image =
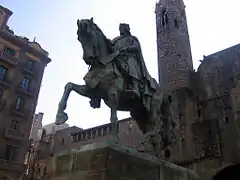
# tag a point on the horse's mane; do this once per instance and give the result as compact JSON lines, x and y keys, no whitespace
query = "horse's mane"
{"x":91,"y":29}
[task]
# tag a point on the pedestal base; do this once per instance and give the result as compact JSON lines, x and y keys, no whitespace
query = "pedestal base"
{"x":108,"y":161}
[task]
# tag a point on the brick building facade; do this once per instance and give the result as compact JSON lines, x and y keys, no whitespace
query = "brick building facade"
{"x":22,"y":65}
{"x":74,"y":137}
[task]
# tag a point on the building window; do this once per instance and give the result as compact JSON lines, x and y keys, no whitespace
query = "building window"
{"x":80,"y":137}
{"x":25,"y":84}
{"x":88,"y":135}
{"x":1,"y":93}
{"x":164,"y":19}
{"x":62,"y":141}
{"x":10,"y":52}
{"x":176,"y":25}
{"x":199,"y":112}
{"x":183,"y":13}
{"x":15,"y":125}
{"x":94,"y":133}
{"x":38,"y":170}
{"x":105,"y":131}
{"x":74,"y":138}
{"x":10,"y":152}
{"x":19,"y":103}
{"x":45,"y":170}
{"x":30,"y":64}
{"x":3,"y":72}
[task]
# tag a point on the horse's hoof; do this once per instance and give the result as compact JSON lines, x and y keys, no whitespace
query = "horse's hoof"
{"x":61,"y":118}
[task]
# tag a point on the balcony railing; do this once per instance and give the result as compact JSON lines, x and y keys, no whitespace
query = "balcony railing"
{"x":27,"y":91}
{"x":11,"y":166}
{"x":14,"y":134}
{"x":5,"y":81}
{"x":31,"y":70}
{"x":8,"y":58}
{"x":21,"y":112}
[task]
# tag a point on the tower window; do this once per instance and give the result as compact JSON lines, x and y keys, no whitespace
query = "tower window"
{"x":164,"y":18}
{"x":176,"y":25}
{"x":183,"y":13}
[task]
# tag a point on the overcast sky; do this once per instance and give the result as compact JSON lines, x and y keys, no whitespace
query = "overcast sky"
{"x":213,"y":26}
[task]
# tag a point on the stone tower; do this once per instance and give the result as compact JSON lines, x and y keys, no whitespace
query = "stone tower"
{"x":173,"y":45}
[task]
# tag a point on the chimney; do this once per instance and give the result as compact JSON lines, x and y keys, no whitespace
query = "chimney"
{"x":4,"y":16}
{"x":39,"y":117}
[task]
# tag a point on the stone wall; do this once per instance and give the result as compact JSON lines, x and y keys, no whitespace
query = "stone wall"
{"x":129,"y":135}
{"x":208,"y":130}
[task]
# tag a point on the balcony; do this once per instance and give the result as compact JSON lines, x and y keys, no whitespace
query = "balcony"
{"x":8,"y":58}
{"x":11,"y":166}
{"x":27,"y":91}
{"x":20,"y":112}
{"x":4,"y":81}
{"x":14,"y":134}
{"x":30,"y":70}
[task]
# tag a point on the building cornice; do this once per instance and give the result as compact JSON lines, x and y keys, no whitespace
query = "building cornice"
{"x":31,"y":47}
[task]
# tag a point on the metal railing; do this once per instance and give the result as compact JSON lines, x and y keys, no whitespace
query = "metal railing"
{"x":14,"y":134}
{"x":21,"y":111}
{"x":8,"y":58}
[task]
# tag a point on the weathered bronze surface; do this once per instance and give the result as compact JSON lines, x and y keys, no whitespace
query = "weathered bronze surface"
{"x":118,"y":75}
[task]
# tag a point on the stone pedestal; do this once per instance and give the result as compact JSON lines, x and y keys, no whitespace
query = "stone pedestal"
{"x":106,"y":161}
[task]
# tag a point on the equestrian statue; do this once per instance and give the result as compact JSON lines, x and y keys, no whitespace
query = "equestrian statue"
{"x":118,"y":76}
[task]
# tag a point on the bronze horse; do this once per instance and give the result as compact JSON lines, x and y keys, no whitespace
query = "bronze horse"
{"x":102,"y":82}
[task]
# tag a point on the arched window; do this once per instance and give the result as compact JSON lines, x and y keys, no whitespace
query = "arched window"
{"x":164,"y":18}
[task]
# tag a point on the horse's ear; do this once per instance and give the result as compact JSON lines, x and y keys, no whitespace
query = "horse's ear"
{"x":91,"y":19}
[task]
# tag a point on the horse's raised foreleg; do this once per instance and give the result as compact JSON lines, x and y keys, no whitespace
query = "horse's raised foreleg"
{"x":82,"y":90}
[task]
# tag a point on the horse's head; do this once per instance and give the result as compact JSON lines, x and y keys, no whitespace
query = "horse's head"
{"x":94,"y":42}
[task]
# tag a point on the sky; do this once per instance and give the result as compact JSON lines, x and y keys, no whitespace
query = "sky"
{"x":213,"y":26}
